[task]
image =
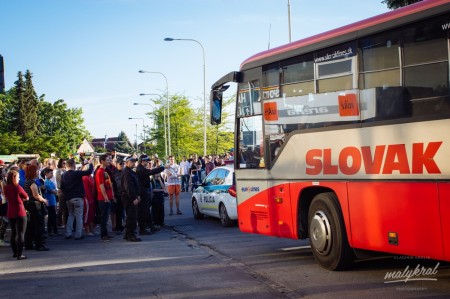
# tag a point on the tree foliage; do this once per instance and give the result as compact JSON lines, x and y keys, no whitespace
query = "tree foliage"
{"x":394,"y":4}
{"x":123,"y":144}
{"x":186,"y":129}
{"x":30,"y":124}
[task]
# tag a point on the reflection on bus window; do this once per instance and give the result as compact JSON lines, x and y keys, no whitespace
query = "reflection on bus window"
{"x":251,"y":151}
{"x":420,"y":86}
{"x":249,"y":99}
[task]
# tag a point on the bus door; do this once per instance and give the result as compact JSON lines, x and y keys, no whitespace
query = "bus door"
{"x":251,"y":181}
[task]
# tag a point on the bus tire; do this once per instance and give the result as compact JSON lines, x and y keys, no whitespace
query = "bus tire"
{"x":196,"y":210}
{"x":327,"y":233}
{"x":224,"y":218}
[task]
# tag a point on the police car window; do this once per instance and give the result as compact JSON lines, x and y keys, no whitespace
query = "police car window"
{"x":211,"y":176}
{"x":220,"y":178}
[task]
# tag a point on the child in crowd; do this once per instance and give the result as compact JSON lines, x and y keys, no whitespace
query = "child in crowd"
{"x":50,"y":196}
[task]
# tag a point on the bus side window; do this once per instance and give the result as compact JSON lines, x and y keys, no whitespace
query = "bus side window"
{"x":393,"y":103}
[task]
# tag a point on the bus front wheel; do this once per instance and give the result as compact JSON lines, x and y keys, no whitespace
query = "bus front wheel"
{"x":327,"y":233}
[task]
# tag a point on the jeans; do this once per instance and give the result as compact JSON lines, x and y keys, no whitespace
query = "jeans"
{"x":18,"y":228}
{"x":51,"y":220}
{"x":34,"y":232}
{"x":185,"y":183}
{"x":75,"y":208}
{"x":104,"y":209}
{"x":119,"y":214}
{"x":131,"y":219}
{"x":62,"y":209}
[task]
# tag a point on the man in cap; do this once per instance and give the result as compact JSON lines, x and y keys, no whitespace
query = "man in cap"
{"x":130,"y":198}
{"x":143,"y":174}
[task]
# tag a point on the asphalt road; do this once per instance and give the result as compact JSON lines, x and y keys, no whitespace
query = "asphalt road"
{"x":200,"y":259}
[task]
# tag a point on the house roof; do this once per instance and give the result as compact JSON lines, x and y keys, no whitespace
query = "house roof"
{"x":110,"y":142}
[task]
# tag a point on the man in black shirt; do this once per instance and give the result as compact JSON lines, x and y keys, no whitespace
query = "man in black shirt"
{"x":73,"y":189}
{"x":130,"y":198}
{"x":143,"y":174}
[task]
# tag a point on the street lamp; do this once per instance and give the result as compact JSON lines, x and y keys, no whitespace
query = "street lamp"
{"x":164,"y":115}
{"x":143,"y":130}
{"x":168,"y":106}
{"x":169,"y":39}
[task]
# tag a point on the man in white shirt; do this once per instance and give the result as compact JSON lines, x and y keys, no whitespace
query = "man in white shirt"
{"x":184,"y":166}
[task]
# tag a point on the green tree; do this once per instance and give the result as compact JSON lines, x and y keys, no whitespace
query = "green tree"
{"x":8,"y":112}
{"x":29,"y":124}
{"x":123,"y":144}
{"x":11,"y":143}
{"x":186,"y":129}
{"x":64,"y":126}
{"x":394,"y":4}
{"x":28,"y":107}
{"x":19,"y":102}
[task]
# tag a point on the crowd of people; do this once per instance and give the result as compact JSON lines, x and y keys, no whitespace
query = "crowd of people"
{"x":39,"y":199}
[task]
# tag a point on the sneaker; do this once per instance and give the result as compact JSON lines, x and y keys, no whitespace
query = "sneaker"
{"x":106,"y":239}
{"x":3,"y":243}
{"x":179,"y":212}
{"x":90,"y":234}
{"x":22,"y":257}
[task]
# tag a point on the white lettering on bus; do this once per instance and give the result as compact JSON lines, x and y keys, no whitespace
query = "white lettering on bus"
{"x":334,"y":55}
{"x":385,"y":160}
{"x":305,"y":110}
{"x":271,"y":94}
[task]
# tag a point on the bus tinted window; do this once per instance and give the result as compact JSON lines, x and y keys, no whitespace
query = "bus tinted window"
{"x":298,"y":72}
{"x":271,"y":77}
{"x":334,"y":68}
{"x":426,"y":51}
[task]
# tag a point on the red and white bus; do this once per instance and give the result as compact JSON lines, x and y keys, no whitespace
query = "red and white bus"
{"x":344,"y":137}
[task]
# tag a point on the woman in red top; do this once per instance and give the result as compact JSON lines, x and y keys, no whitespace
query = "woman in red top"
{"x":15,"y":195}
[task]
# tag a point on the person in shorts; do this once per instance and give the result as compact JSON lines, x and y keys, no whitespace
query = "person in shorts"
{"x":173,"y":184}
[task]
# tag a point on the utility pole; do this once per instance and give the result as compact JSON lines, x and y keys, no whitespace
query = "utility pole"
{"x":289,"y":19}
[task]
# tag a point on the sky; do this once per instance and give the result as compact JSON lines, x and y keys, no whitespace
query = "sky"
{"x":89,"y":52}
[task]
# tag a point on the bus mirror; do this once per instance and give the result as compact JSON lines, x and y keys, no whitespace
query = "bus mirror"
{"x":216,"y":107}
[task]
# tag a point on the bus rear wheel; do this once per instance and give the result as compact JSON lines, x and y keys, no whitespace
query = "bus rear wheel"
{"x":327,"y":233}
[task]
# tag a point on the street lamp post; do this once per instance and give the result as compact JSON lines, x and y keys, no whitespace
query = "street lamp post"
{"x":143,"y":130}
{"x":168,"y":105}
{"x":169,"y":39}
{"x":164,"y":115}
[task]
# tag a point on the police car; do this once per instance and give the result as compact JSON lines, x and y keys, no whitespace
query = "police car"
{"x":213,"y":198}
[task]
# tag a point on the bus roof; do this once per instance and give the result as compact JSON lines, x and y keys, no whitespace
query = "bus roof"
{"x":365,"y":27}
